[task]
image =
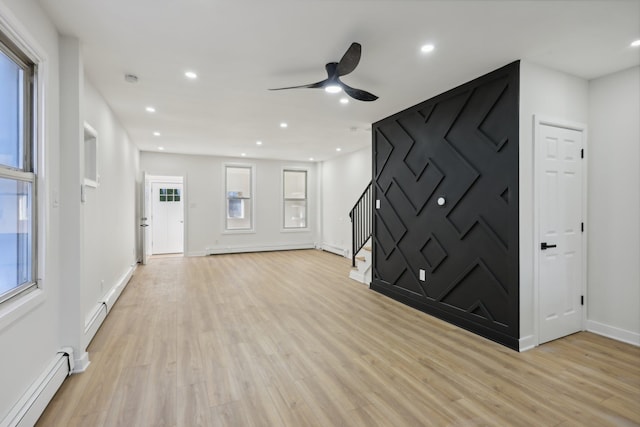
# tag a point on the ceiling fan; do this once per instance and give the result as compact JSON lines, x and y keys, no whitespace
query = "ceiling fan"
{"x":335,"y":70}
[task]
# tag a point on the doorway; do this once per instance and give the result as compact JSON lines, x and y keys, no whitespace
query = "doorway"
{"x":560,"y":206}
{"x":164,"y":213}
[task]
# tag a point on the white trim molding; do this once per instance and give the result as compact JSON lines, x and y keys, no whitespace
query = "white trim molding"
{"x":613,"y":332}
{"x":334,"y":249}
{"x":34,"y":401}
{"x":527,"y":343}
{"x":102,"y":308}
{"x":258,"y":248}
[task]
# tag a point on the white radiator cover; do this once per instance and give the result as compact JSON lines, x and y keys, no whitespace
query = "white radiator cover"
{"x":32,"y":404}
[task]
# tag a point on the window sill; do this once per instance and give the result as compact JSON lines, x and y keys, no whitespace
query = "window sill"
{"x":18,"y":307}
{"x":252,"y":231}
{"x":295,"y":230}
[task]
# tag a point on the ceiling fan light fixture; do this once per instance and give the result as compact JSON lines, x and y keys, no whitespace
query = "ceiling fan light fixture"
{"x":333,"y":89}
{"x":335,"y":70}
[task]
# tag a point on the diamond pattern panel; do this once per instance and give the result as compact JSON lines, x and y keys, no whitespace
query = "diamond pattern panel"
{"x":446,"y":175}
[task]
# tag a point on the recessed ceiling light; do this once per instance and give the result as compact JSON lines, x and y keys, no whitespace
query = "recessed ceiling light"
{"x":150,"y":110}
{"x":161,"y":148}
{"x":283,"y":125}
{"x":427,"y":48}
{"x":344,"y":100}
{"x":258,"y":142}
{"x":156,"y":133}
{"x":191,"y":75}
{"x":333,"y":88}
{"x":311,"y":159}
{"x":635,"y":43}
{"x":243,"y":154}
{"x":338,"y":149}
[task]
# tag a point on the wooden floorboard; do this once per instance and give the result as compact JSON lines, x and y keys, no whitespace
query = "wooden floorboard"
{"x":287,"y":339}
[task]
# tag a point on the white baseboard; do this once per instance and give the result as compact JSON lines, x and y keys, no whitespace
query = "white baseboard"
{"x":102,"y":308}
{"x":613,"y":332}
{"x":81,"y":363}
{"x":335,"y":249}
{"x":259,"y":248}
{"x":112,"y":296}
{"x":358,"y":276}
{"x":32,"y":404}
{"x":526,"y":343}
{"x":195,"y":253}
{"x":93,"y":323}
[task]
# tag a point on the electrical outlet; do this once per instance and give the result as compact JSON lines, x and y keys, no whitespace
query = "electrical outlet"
{"x":422,"y":275}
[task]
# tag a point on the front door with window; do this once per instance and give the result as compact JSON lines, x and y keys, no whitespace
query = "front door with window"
{"x":167,"y":218}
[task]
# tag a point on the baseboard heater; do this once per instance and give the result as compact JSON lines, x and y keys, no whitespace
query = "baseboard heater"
{"x":335,"y":250}
{"x":32,"y":404}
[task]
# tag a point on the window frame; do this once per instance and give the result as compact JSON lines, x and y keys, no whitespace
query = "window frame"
{"x":28,"y":170}
{"x":284,"y":199}
{"x":251,"y":198}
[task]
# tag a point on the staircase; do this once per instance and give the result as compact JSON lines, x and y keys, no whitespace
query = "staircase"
{"x":361,"y":272}
{"x":361,"y":225}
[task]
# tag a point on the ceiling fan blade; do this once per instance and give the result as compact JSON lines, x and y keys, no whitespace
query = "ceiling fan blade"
{"x":309,"y":86}
{"x":359,"y":94}
{"x":350,"y":59}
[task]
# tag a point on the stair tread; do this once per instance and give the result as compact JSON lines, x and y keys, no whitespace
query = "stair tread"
{"x":361,"y":258}
{"x":367,"y":248}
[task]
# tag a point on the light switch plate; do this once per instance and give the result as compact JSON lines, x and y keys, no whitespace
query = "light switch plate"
{"x":378,"y":204}
{"x":422,"y":275}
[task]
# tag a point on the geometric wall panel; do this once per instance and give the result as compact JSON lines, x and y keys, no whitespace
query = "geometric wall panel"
{"x":460,"y":147}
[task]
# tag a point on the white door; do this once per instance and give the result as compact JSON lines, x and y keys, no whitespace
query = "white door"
{"x":167,"y":218}
{"x":145,"y":220}
{"x":560,"y":238}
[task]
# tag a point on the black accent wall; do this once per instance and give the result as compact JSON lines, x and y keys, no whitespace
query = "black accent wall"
{"x":461,"y":146}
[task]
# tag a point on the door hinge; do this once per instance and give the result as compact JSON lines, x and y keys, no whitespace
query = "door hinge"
{"x":582,"y":227}
{"x":581,"y":299}
{"x":582,"y":153}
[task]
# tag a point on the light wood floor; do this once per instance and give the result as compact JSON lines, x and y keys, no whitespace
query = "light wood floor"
{"x":286,"y":339}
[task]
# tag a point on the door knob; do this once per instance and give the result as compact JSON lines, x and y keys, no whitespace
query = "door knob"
{"x":544,"y":246}
{"x":144,"y":225}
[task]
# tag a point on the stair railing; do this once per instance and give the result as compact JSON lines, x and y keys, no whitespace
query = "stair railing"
{"x":361,"y":222}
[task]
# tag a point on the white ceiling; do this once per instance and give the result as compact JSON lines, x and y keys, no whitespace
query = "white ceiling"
{"x":240,"y":48}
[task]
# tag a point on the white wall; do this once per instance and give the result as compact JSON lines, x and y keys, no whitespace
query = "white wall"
{"x":29,"y":334}
{"x":110,"y":216}
{"x":80,"y":243}
{"x":205,"y":203}
{"x":555,"y":95}
{"x":613,"y":304}
{"x":343,"y":181}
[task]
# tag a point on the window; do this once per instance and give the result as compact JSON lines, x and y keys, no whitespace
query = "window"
{"x":295,"y":198}
{"x":238,"y":193}
{"x":17,"y":172}
{"x":169,"y":195}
